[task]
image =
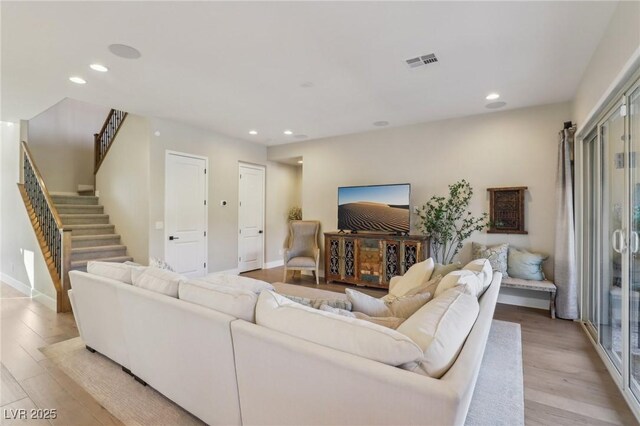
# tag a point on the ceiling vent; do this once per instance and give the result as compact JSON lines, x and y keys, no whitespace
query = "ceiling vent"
{"x":422,"y":60}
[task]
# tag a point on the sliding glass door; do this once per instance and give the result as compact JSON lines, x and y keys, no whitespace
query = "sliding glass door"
{"x":610,"y":239}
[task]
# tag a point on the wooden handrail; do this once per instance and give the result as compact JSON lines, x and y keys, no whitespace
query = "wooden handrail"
{"x":47,"y":197}
{"x":104,"y":139}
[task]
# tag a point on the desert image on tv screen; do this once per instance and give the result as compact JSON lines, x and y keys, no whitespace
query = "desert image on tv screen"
{"x":382,"y":208}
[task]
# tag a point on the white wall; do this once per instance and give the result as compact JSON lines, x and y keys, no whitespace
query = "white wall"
{"x":21,"y":262}
{"x":283,"y":192}
{"x":224,"y":155}
{"x":123,"y":185}
{"x":620,"y":42}
{"x":510,"y":148}
{"x":61,"y":141}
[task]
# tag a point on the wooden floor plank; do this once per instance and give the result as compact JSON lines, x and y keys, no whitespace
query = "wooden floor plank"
{"x":11,"y":414}
{"x":10,"y":390}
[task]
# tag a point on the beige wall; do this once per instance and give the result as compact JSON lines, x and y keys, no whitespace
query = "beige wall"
{"x":61,"y":140}
{"x":123,"y":185}
{"x":21,"y":260}
{"x":224,"y":154}
{"x":621,"y":40}
{"x":283,"y":192}
{"x":510,"y":148}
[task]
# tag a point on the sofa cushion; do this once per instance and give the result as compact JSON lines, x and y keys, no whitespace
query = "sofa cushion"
{"x":115,"y":271}
{"x":484,"y":270}
{"x":349,"y":335}
{"x":417,"y":275}
{"x":158,"y":280}
{"x":237,"y":302}
{"x":440,"y":269}
{"x":342,"y":304}
{"x":236,"y":281}
{"x":468,"y":281}
{"x":302,"y":262}
{"x":525,"y":265}
{"x":440,"y":328}
{"x":388,"y":306}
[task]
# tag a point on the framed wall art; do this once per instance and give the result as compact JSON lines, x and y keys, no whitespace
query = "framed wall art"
{"x":506,"y":210}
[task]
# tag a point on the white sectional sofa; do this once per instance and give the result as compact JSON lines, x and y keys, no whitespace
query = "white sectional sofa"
{"x":227,"y":370}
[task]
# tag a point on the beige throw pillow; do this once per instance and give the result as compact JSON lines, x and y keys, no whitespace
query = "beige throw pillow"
{"x":388,"y":306}
{"x":468,"y":281}
{"x":485,"y":272}
{"x":417,"y":275}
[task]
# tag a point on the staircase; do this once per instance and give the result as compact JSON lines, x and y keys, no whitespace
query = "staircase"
{"x":92,"y":236}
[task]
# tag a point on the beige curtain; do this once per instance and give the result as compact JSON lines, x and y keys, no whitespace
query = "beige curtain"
{"x":565,"y":273}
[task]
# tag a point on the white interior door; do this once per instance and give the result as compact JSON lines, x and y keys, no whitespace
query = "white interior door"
{"x":186,"y":214}
{"x":251,"y":218}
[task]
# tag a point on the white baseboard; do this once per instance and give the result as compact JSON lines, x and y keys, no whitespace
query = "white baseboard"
{"x":39,"y":297}
{"x":274,"y":264}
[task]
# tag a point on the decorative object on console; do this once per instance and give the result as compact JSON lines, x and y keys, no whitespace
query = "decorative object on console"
{"x":295,"y":213}
{"x":303,"y":252}
{"x":506,"y":210}
{"x":371,"y":259}
{"x":448,"y":222}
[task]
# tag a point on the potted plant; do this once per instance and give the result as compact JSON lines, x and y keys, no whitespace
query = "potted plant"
{"x":447,"y":221}
{"x":295,"y":213}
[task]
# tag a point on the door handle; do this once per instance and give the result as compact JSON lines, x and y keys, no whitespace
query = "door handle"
{"x":615,"y":239}
{"x":260,"y":231}
{"x":171,"y":238}
{"x":634,"y":245}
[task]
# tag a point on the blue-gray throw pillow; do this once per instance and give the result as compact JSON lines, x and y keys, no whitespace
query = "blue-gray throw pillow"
{"x":525,"y":265}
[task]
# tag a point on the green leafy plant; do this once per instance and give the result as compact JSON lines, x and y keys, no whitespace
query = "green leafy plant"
{"x":295,"y":213}
{"x":447,"y":221}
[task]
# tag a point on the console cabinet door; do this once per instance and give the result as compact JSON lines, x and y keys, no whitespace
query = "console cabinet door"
{"x":350,"y":257}
{"x":370,"y":261}
{"x":410,"y":254}
{"x":392,"y":266}
{"x":334,"y":258}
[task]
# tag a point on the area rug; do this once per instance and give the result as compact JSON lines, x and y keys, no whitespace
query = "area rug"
{"x":497,"y":400}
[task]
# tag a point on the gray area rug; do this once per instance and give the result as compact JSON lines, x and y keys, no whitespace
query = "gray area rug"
{"x":497,"y":400}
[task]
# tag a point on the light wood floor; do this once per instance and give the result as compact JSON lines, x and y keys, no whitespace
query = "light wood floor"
{"x":565,"y":381}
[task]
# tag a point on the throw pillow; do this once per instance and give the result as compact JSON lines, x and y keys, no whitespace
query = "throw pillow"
{"x":401,"y":307}
{"x":158,"y":280}
{"x":390,"y":322}
{"x":154,"y":262}
{"x":526,"y":265}
{"x":428,"y":287}
{"x":344,"y":334}
{"x":485,"y":271}
{"x":469,"y":282}
{"x":497,"y":256}
{"x":417,"y":275}
{"x":443,"y":270}
{"x":316,"y":303}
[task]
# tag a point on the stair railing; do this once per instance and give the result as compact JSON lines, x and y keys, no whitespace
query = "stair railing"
{"x":104,"y":139}
{"x":54,"y":240}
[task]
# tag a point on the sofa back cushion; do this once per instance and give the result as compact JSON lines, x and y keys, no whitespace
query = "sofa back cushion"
{"x":115,"y":271}
{"x":440,"y":328}
{"x":236,"y":281}
{"x":158,"y":280}
{"x":485,"y":272}
{"x":237,"y":302}
{"x":351,"y":335}
{"x":469,"y":282}
{"x":416,"y":276}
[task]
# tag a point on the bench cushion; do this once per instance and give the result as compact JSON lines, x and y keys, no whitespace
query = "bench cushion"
{"x":529,"y":284}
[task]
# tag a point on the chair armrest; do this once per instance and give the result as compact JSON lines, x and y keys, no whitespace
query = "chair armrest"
{"x":316,"y":252}
{"x":285,"y":256}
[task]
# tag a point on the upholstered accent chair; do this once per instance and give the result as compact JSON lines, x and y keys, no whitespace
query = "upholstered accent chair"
{"x":302,"y":252}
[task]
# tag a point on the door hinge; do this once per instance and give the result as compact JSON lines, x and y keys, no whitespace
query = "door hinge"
{"x":205,"y":264}
{"x":205,"y":233}
{"x":623,"y":110}
{"x":240,"y":175}
{"x":239,"y":231}
{"x":205,"y":202}
{"x":239,"y":259}
{"x":205,"y":171}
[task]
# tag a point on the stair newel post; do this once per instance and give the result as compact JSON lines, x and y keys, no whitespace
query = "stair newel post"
{"x":64,"y":305}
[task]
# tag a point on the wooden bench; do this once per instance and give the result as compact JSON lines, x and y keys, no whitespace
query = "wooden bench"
{"x":547,"y":286}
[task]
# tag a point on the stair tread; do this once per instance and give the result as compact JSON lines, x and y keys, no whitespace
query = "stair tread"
{"x":83,"y":214}
{"x":120,"y":259}
{"x":94,"y":237}
{"x":89,"y":225}
{"x":80,"y":206}
{"x":98,"y":248}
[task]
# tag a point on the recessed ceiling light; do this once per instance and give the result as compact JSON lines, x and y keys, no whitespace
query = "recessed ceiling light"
{"x":492,"y":96}
{"x":157,"y":133}
{"x":381,"y":123}
{"x":78,"y":80}
{"x":299,"y":161}
{"x":288,"y":132}
{"x":253,"y":132}
{"x":98,"y":67}
{"x":495,"y":105}
{"x":124,"y":51}
{"x":307,"y":84}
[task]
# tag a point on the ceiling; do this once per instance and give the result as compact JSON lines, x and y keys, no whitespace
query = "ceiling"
{"x":238,"y":66}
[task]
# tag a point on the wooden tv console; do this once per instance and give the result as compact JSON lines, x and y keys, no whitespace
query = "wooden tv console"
{"x":371,"y":259}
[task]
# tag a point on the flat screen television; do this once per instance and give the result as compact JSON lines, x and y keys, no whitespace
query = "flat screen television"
{"x":380,"y":208}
